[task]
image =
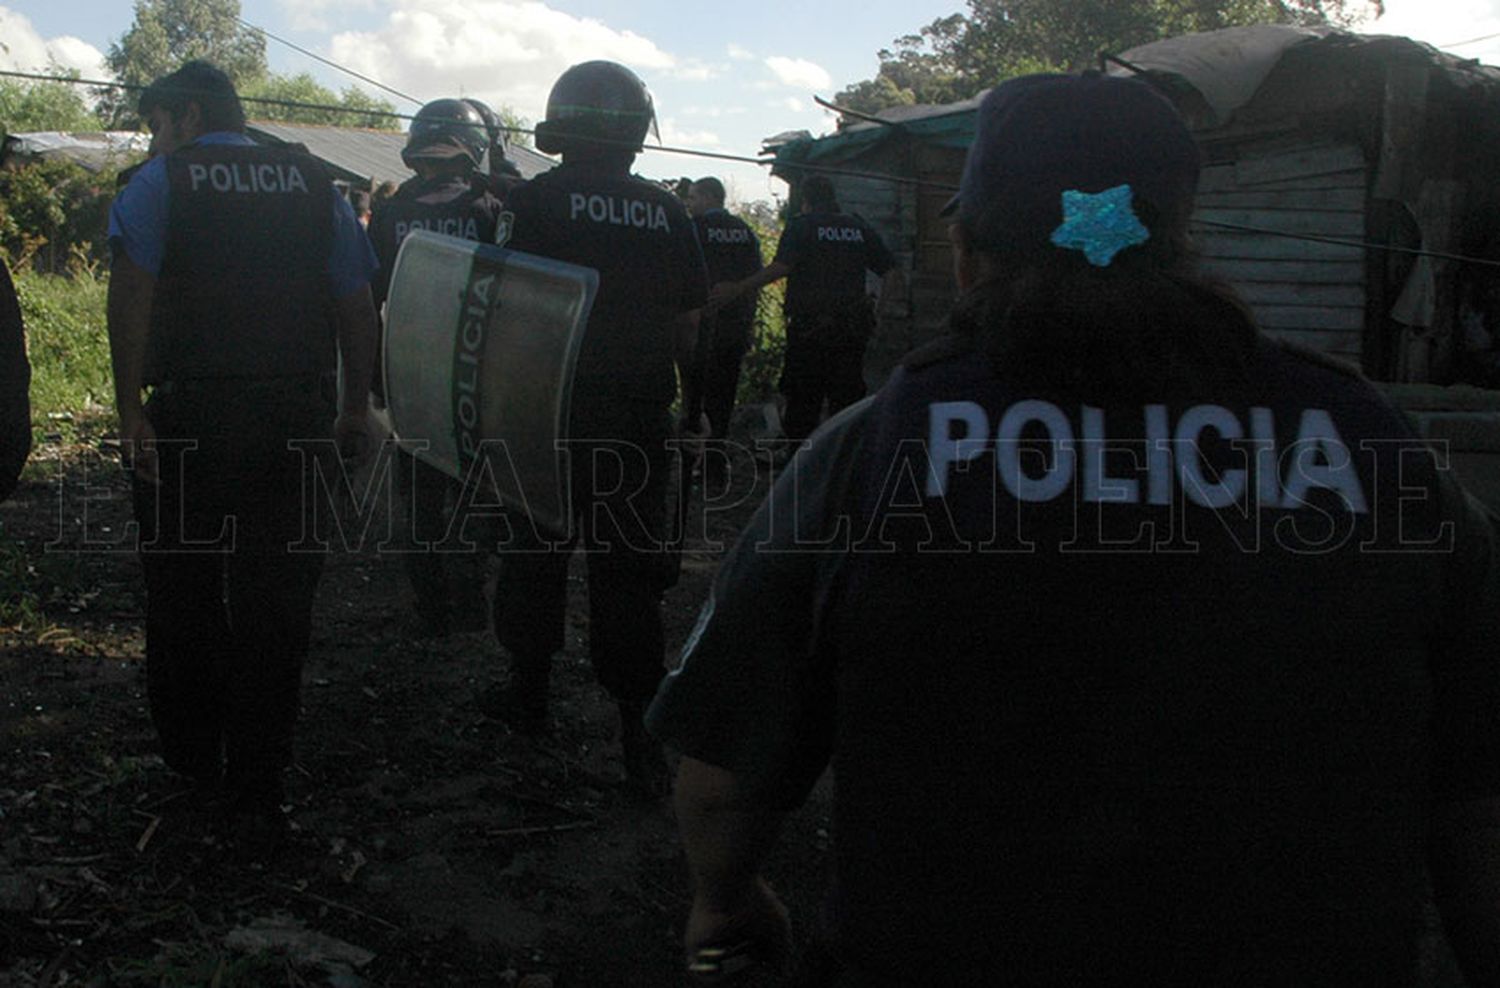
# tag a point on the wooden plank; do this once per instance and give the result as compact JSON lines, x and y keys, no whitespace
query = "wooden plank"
{"x":1222,"y":178}
{"x":1346,"y":225}
{"x":1343,"y":343}
{"x":1270,"y":293}
{"x":1241,"y":271}
{"x":1269,"y":247}
{"x":1350,"y":200}
{"x":1311,"y":317}
{"x":1298,"y":163}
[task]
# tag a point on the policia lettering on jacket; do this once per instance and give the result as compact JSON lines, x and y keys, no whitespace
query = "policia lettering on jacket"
{"x":1077,"y":449}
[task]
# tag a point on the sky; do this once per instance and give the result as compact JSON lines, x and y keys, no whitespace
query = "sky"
{"x":724,"y":76}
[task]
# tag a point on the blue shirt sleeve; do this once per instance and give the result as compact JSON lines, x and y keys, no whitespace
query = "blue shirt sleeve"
{"x":352,"y":263}
{"x":138,"y":217}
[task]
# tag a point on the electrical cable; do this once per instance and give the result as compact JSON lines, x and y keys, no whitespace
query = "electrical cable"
{"x":881,"y":176}
{"x":329,"y":62}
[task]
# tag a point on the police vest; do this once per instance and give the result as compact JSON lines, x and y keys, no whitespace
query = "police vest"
{"x":243,"y":287}
{"x":641,"y":241}
{"x":472,"y":214}
{"x":730,"y":252}
{"x":832,"y":253}
{"x":1071,"y":640}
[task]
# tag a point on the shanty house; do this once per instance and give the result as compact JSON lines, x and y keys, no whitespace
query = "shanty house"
{"x":1342,"y":174}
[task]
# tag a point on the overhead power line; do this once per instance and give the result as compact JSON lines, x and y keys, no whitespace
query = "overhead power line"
{"x":329,"y":62}
{"x":1471,"y":41}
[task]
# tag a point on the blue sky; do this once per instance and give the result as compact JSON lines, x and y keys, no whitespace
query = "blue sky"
{"x":723,"y":75}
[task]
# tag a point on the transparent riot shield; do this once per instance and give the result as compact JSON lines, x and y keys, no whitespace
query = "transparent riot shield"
{"x":480,"y":347}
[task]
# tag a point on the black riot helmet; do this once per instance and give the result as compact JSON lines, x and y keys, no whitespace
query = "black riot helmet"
{"x":596,"y":105}
{"x":493,"y":125}
{"x":446,"y":128}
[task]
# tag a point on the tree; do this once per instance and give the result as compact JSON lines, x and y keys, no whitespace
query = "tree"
{"x":167,"y":33}
{"x":30,"y":106}
{"x":955,"y":57}
{"x":303,"y":88}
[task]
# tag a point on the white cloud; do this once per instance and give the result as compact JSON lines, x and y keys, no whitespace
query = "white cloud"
{"x":740,"y":53}
{"x":24,"y":50}
{"x":796,"y":105}
{"x":799,"y":72}
{"x":506,"y":52}
{"x":674,"y":135}
{"x":693,"y":70}
{"x":319,"y":15}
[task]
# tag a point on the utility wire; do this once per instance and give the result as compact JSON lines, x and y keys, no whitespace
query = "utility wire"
{"x":665,"y":149}
{"x":293,"y":104}
{"x":883,"y":176}
{"x":1338,"y":241}
{"x":1471,"y":41}
{"x":363,"y":78}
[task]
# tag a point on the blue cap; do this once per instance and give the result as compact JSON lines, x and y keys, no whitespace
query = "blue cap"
{"x":1040,"y":136}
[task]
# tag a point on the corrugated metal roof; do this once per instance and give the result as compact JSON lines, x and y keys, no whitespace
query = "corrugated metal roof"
{"x":91,"y":149}
{"x":361,"y":156}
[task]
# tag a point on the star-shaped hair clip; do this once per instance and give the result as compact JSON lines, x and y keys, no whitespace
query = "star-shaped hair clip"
{"x":1100,"y":224}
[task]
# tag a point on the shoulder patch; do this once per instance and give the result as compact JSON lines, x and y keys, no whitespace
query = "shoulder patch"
{"x":1313,"y":356}
{"x":503,"y":225}
{"x":945,"y":347}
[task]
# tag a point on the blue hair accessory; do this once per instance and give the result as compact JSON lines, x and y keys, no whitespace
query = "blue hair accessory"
{"x":1100,"y":224}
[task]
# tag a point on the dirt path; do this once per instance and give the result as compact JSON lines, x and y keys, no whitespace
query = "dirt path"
{"x":431,"y":846}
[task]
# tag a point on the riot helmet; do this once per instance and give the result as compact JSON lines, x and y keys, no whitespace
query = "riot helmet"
{"x":596,"y":105}
{"x":493,"y":125}
{"x":446,"y":128}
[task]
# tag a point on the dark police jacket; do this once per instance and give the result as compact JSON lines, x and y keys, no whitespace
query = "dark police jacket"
{"x":1155,"y":692}
{"x":829,"y":254}
{"x":731,"y":252}
{"x":640,"y":239}
{"x":243,"y":286}
{"x":454,"y":206}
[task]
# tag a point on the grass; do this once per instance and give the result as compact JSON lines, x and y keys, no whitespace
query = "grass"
{"x":71,"y":382}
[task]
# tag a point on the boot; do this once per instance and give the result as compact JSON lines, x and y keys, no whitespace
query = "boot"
{"x":645,"y":768}
{"x":521,"y":702}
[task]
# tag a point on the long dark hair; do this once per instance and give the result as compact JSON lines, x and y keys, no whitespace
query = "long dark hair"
{"x":1149,"y":324}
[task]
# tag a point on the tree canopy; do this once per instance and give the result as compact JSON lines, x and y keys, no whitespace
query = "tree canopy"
{"x":27,"y":106}
{"x":303,"y":88}
{"x":955,"y":57}
{"x":166,"y":33}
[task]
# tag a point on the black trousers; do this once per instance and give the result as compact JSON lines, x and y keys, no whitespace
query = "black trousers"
{"x":825,"y":356}
{"x":229,"y":589}
{"x":727,"y":337}
{"x":618,"y":469}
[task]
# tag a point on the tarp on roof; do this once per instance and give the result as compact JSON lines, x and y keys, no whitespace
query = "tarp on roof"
{"x":94,"y":150}
{"x":948,"y":125}
{"x":360,"y":155}
{"x":1227,"y":66}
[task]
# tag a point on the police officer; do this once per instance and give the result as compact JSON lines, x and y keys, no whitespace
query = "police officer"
{"x":501,"y":174}
{"x":15,"y":388}
{"x":824,"y":254}
{"x":238,"y":277}
{"x":591,"y":211}
{"x":732,"y":252}
{"x":1152,"y":651}
{"x":444,"y":146}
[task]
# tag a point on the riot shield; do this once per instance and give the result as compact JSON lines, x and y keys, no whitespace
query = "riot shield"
{"x":480,"y":347}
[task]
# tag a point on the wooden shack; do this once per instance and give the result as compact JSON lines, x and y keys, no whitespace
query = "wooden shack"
{"x":1330,"y":160}
{"x":897,"y":172}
